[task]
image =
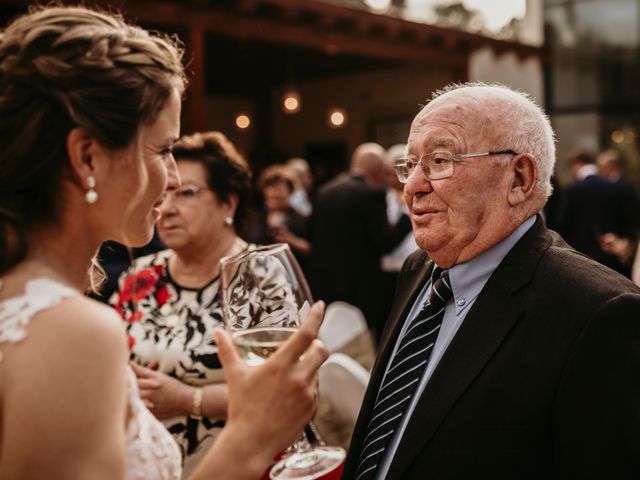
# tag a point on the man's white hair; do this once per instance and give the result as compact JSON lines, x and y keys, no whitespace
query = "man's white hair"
{"x":521,"y":125}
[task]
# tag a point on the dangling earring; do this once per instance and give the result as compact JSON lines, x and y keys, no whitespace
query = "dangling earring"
{"x":228,"y":221}
{"x":91,"y":196}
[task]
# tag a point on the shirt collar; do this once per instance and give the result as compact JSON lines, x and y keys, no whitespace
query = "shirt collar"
{"x":586,"y":171}
{"x":469,"y":278}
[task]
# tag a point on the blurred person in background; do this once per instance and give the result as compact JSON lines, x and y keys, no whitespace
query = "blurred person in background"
{"x":591,"y":209}
{"x":300,"y":199}
{"x":623,"y":246}
{"x":391,"y":263}
{"x":170,"y":300}
{"x":279,"y":221}
{"x":581,"y":164}
{"x":351,"y":232}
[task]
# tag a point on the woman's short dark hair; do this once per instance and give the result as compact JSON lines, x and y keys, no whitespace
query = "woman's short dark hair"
{"x":227,"y":171}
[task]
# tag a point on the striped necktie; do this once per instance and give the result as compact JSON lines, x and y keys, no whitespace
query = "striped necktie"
{"x":404,"y":373}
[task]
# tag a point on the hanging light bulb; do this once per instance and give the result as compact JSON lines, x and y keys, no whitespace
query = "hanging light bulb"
{"x":291,"y":101}
{"x":336,"y":117}
{"x":243,"y":121}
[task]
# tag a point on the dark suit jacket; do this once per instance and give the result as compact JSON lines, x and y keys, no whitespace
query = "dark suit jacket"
{"x":350,"y":232}
{"x":541,"y":381}
{"x":592,"y":207}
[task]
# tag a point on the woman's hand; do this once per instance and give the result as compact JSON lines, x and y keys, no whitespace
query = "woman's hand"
{"x":270,"y":404}
{"x":163,"y":395}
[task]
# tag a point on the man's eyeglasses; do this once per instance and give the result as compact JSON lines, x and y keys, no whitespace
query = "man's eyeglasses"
{"x":186,"y":192}
{"x":437,"y":165}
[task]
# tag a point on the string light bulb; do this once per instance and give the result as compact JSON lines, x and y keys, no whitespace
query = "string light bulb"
{"x":291,"y":102}
{"x":336,"y":117}
{"x":243,"y":121}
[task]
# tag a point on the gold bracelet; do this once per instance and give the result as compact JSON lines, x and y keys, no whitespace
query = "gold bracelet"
{"x":196,"y":412}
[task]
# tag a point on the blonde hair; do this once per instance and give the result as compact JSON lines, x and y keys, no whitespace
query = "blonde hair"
{"x":62,"y":68}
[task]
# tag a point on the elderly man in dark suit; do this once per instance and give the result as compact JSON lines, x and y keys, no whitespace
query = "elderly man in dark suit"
{"x":509,"y":355}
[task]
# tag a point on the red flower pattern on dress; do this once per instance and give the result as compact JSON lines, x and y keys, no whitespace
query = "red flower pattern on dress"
{"x":159,"y":269}
{"x":136,"y":287}
{"x":135,"y":317}
{"x":132,"y":342}
{"x":162,"y":294}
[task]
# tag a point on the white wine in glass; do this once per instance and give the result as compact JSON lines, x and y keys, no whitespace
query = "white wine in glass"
{"x":264,"y":298}
{"x":258,"y":344}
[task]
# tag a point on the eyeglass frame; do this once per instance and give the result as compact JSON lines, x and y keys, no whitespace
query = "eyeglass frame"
{"x":179,"y":193}
{"x":453,"y":159}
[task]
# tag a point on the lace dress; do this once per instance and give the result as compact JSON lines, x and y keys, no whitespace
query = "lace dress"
{"x":152,"y":453}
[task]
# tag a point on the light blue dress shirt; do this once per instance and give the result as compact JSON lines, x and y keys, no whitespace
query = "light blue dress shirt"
{"x":467,"y":281}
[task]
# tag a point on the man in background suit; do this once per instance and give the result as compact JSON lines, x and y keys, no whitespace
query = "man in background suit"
{"x":594,"y":208}
{"x":623,"y":243}
{"x":509,"y":355}
{"x":350,"y":232}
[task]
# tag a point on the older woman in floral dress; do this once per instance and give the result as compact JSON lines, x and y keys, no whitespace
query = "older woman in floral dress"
{"x":170,"y":300}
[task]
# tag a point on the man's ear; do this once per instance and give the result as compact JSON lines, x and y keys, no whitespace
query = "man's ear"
{"x":525,"y":177}
{"x":80,"y":149}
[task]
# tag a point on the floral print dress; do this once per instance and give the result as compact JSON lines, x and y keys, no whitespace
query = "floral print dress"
{"x":172,"y":326}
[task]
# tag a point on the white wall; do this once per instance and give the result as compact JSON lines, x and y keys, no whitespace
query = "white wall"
{"x":532,"y":26}
{"x":509,"y":70}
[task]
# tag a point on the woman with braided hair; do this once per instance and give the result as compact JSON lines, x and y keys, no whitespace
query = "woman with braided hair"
{"x":89,"y":111}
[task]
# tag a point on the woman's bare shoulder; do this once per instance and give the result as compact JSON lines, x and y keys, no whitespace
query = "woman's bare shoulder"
{"x":68,"y":377}
{"x":77,"y":329}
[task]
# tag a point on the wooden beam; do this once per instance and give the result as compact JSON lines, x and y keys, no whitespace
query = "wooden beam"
{"x":352,"y":32}
{"x":195,"y":104}
{"x":259,"y":29}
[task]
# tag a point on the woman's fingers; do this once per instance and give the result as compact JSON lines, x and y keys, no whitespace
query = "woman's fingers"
{"x":148,"y":383}
{"x":227,"y":353}
{"x":300,"y":341}
{"x":315,"y":356}
{"x":140,"y":371}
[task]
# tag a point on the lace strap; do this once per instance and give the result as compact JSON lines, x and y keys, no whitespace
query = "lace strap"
{"x":16,"y":312}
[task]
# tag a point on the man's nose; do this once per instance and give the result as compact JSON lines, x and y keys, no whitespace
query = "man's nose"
{"x":417,"y":182}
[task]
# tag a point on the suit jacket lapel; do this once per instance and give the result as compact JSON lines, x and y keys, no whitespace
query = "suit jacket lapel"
{"x":490,"y":319}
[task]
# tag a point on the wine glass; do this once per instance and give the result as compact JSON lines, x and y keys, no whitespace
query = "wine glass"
{"x":264,"y":298}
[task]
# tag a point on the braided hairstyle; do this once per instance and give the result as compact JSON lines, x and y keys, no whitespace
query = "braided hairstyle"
{"x":62,"y":68}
